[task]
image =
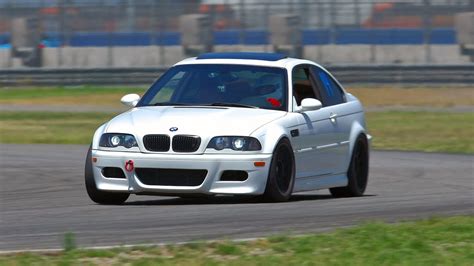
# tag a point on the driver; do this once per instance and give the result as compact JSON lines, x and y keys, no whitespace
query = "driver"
{"x":268,"y":92}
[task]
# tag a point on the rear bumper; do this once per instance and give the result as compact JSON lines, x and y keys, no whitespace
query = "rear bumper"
{"x":215,"y":164}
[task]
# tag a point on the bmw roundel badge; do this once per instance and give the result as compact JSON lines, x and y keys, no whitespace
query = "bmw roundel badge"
{"x":173,"y":129}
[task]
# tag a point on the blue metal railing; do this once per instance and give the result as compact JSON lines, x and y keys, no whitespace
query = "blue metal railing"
{"x":440,"y":36}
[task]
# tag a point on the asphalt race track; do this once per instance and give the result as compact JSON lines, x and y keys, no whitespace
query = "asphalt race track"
{"x":43,"y":197}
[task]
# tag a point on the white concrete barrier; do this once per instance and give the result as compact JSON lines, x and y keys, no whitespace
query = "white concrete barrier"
{"x":4,"y":58}
{"x":150,"y":56}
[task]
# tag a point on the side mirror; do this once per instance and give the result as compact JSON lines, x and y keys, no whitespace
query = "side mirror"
{"x":130,"y":99}
{"x":310,"y":104}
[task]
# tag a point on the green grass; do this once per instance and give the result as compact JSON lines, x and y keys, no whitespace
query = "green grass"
{"x":422,"y":131}
{"x":52,"y":92}
{"x":436,"y":241}
{"x":66,"y":96}
{"x":417,"y":131}
{"x":50,"y":127}
{"x":378,"y":96}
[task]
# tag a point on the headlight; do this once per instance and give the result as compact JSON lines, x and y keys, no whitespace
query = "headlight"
{"x":235,"y":143}
{"x":112,"y":140}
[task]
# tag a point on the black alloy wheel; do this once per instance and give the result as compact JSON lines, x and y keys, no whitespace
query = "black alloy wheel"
{"x":281,"y":177}
{"x":358,"y":171}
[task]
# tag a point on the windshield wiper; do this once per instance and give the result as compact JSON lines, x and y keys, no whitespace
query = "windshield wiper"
{"x":231,"y":105}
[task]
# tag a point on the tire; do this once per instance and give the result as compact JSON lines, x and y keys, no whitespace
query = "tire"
{"x":281,"y":177}
{"x":96,"y":195}
{"x":358,"y":171}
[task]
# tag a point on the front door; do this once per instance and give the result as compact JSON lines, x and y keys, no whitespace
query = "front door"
{"x":313,"y":138}
{"x":340,"y":116}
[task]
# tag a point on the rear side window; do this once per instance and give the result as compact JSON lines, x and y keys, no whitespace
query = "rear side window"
{"x":331,"y":92}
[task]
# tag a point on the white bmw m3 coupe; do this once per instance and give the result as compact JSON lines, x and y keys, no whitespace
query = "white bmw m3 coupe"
{"x":236,"y":124}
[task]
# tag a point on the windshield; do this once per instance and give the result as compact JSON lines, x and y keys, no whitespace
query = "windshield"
{"x":220,"y":85}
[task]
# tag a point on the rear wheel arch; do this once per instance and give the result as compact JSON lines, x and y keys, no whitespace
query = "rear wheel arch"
{"x":358,"y":170}
{"x":356,"y":130}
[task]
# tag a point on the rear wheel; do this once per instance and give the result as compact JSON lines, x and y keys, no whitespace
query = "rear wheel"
{"x":358,"y":171}
{"x":96,"y":195}
{"x":281,"y":177}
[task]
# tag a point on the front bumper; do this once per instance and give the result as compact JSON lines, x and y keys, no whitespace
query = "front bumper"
{"x":215,"y":164}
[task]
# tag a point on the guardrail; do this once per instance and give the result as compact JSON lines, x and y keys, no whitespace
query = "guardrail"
{"x":366,"y":74}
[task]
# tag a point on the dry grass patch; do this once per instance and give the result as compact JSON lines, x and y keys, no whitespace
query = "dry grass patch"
{"x":414,"y":96}
{"x":81,"y":95}
{"x":371,"y":96}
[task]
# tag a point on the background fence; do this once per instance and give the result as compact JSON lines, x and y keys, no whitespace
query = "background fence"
{"x":373,"y":74}
{"x":125,"y":23}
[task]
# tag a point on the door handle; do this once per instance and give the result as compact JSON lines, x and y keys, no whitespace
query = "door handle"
{"x":333,"y":117}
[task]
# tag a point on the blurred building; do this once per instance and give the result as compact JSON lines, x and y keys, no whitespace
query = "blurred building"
{"x":361,"y":26}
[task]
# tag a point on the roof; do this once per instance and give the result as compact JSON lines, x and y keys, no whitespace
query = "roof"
{"x":243,"y":55}
{"x":243,"y":58}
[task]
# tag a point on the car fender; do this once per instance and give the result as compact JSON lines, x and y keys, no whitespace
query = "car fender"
{"x":356,"y":130}
{"x":269,"y":136}
{"x":98,"y":133}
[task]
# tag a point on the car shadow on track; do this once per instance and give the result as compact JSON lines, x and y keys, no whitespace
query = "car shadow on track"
{"x":226,"y":200}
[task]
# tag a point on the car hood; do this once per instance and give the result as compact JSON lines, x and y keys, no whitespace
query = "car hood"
{"x":201,"y":121}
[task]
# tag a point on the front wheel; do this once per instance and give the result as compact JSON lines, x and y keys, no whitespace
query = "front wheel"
{"x":96,"y":195}
{"x":281,"y":177}
{"x":358,"y":171}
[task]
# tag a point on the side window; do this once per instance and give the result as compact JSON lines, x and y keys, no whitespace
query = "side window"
{"x":331,"y":93}
{"x":302,"y":85}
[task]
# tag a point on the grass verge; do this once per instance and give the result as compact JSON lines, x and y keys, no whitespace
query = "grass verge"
{"x":417,"y":131}
{"x":49,"y":127}
{"x":371,"y":96}
{"x":436,"y":241}
{"x":422,"y":131}
{"x":441,"y":97}
{"x":79,"y":95}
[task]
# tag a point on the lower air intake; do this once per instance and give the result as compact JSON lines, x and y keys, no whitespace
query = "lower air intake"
{"x":170,"y":177}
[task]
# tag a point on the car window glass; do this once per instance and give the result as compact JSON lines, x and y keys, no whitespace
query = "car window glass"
{"x":302,"y":85}
{"x":165,"y":94}
{"x":331,"y":93}
{"x":263,"y":87}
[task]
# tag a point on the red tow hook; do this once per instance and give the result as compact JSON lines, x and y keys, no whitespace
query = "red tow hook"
{"x":129,"y":166}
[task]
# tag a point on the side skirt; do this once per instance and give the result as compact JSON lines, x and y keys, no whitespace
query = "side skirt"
{"x":320,"y":182}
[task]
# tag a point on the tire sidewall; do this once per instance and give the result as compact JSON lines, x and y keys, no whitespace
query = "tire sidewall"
{"x":88,"y":173}
{"x":361,"y":143}
{"x":272,"y":191}
{"x":96,"y":195}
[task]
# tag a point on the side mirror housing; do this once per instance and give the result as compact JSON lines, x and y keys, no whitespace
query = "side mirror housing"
{"x":310,"y":104}
{"x":130,"y":99}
